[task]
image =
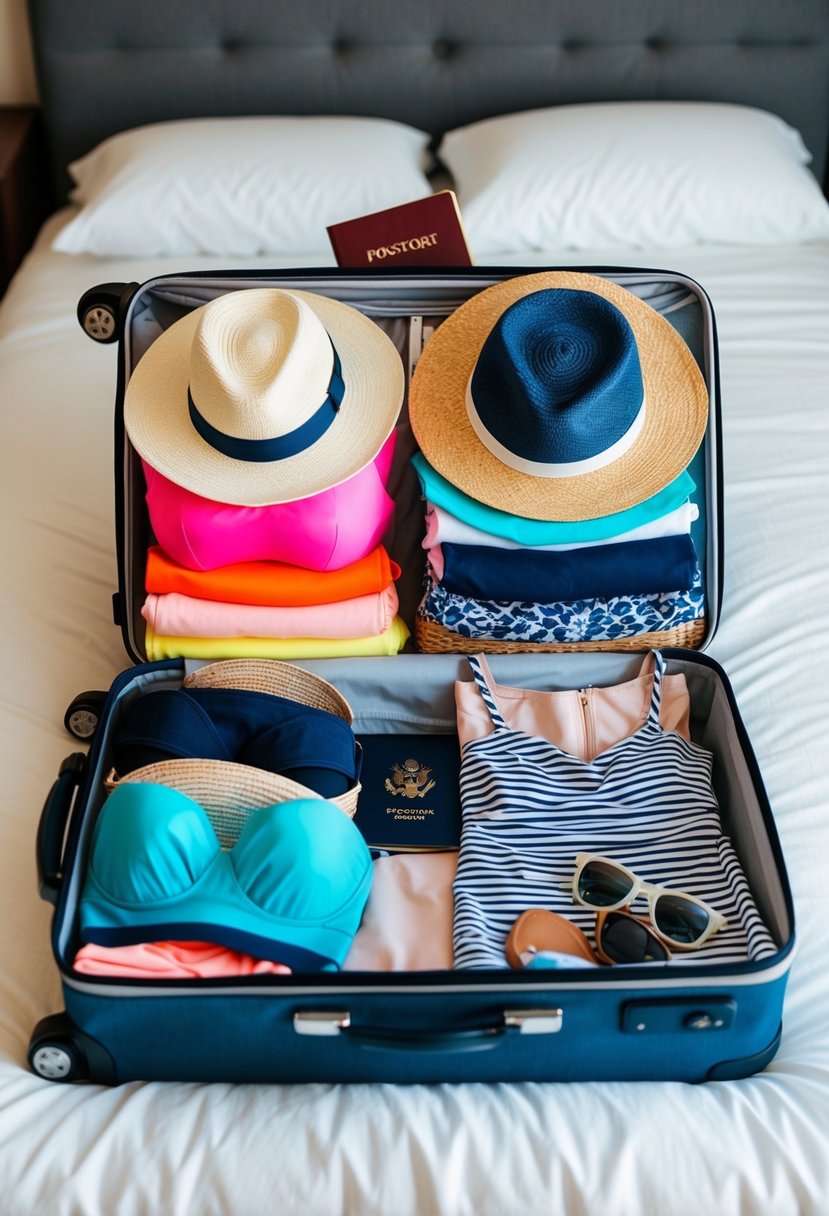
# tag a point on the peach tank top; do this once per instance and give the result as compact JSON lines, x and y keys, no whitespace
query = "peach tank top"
{"x":584,"y":722}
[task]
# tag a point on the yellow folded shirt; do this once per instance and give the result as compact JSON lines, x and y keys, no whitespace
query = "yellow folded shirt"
{"x":168,"y":646}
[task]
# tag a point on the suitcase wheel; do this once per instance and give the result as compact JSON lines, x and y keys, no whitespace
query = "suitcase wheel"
{"x":99,"y":322}
{"x":83,"y":715}
{"x":53,"y":1054}
{"x":101,"y":310}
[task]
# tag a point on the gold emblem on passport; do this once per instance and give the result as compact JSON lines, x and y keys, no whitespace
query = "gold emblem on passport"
{"x":410,"y":779}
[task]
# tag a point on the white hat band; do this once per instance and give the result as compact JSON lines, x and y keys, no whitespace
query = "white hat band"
{"x":537,"y":468}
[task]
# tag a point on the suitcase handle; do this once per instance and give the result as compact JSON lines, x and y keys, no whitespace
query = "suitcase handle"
{"x":377,"y":1038}
{"x":424,"y":1040}
{"x":51,"y":830}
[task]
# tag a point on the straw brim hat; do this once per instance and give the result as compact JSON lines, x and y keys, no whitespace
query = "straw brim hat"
{"x":275,"y":677}
{"x":158,"y":421}
{"x":676,"y":409}
{"x":227,"y":791}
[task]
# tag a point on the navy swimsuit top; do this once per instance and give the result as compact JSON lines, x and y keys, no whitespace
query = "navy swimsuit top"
{"x":312,"y":746}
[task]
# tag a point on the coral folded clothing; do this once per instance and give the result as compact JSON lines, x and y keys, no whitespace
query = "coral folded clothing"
{"x":172,"y":961}
{"x":436,"y":489}
{"x":354,"y":618}
{"x":274,"y":583}
{"x":587,"y":620}
{"x":443,"y":526}
{"x":637,"y":567}
{"x":171,"y":646}
{"x":407,"y":922}
{"x":323,"y":532}
{"x":582,"y":722}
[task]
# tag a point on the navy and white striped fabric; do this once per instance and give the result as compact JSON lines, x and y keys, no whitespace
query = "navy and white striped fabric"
{"x":529,"y":808}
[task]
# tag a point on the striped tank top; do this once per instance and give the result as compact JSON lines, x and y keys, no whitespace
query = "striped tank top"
{"x":528,"y":808}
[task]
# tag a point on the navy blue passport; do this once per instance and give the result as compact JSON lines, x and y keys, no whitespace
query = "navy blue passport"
{"x":410,"y":800}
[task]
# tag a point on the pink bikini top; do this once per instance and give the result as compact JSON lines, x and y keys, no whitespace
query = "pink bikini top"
{"x":326,"y":531}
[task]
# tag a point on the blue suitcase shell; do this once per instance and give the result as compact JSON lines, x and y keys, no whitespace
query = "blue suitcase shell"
{"x":699,"y":1022}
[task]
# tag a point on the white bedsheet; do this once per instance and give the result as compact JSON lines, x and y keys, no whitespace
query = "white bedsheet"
{"x":755,"y":1146}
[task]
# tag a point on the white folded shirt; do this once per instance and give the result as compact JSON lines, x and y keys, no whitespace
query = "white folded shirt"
{"x":442,"y":526}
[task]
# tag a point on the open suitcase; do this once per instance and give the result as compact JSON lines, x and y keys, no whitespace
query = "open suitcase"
{"x":691,"y":1021}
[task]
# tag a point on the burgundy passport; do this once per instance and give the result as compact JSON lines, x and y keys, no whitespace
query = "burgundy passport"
{"x":425,"y":232}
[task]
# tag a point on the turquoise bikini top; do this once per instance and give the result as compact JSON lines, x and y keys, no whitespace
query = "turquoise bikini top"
{"x":291,"y":889}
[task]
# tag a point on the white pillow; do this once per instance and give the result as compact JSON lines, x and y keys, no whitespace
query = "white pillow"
{"x":633,"y":174}
{"x":239,"y":186}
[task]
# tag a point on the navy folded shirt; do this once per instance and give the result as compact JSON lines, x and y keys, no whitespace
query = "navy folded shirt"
{"x":637,"y":567}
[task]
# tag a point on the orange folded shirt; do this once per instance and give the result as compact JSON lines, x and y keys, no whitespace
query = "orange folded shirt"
{"x":274,"y":584}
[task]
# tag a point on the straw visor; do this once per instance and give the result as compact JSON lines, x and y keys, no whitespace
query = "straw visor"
{"x":264,"y":396}
{"x":672,"y":423}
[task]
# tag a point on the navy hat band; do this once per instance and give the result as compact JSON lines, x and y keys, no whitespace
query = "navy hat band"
{"x":280,"y":446}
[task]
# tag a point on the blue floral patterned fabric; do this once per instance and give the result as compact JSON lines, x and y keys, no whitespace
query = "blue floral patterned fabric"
{"x":587,"y":620}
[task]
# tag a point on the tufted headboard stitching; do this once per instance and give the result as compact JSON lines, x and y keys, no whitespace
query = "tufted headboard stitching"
{"x":435,"y":64}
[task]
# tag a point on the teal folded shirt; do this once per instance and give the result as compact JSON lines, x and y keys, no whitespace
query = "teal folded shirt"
{"x":524,"y":531}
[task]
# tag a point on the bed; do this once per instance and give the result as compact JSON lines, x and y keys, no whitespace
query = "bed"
{"x":755,"y":1146}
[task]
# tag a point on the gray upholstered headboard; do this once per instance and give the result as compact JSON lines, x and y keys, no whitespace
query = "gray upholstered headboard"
{"x":435,"y":64}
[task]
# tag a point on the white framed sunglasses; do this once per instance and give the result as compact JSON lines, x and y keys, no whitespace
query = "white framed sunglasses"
{"x":682,"y":920}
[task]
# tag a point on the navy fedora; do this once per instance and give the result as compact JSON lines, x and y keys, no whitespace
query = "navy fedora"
{"x":558,"y":395}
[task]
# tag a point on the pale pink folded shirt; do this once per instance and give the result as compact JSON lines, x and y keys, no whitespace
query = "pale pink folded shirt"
{"x":323,"y":532}
{"x":362,"y":616}
{"x":407,"y":922}
{"x":583,"y":722}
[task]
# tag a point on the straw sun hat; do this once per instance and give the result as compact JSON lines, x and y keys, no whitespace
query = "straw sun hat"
{"x":264,"y":396}
{"x":558,"y":396}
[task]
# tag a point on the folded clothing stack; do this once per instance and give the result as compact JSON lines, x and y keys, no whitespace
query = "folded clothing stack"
{"x":265,"y":420}
{"x":302,"y":579}
{"x":557,"y":415}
